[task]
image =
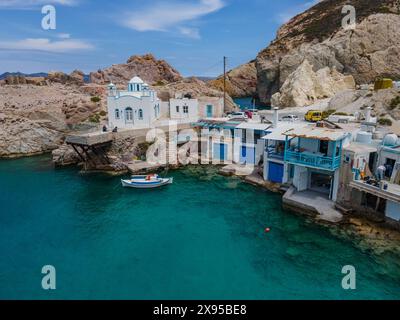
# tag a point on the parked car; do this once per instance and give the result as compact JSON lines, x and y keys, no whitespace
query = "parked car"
{"x":290,"y":117}
{"x":253,"y":111}
{"x":313,"y":116}
{"x":238,"y":115}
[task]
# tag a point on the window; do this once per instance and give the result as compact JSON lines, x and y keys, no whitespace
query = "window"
{"x":185,"y":109}
{"x":117,"y":114}
{"x":128,"y":114}
{"x":140,"y":114}
{"x":177,"y":109}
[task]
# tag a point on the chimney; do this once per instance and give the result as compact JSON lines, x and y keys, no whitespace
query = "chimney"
{"x":368,"y":115}
{"x":276,"y":117}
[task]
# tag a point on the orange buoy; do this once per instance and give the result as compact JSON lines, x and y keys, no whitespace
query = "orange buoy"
{"x":267,"y":230}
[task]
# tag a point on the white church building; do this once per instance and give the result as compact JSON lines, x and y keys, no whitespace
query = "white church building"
{"x":140,"y":108}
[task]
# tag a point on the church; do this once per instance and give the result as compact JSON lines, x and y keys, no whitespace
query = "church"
{"x":138,"y":107}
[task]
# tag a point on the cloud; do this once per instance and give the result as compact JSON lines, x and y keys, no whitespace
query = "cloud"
{"x":21,"y":4}
{"x":284,"y":17}
{"x":46,"y":45}
{"x":167,"y":15}
{"x":193,"y":33}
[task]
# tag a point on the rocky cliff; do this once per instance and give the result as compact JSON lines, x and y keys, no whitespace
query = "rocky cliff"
{"x":147,"y":67}
{"x":34,"y":119}
{"x":370,"y":51}
{"x":240,"y":81}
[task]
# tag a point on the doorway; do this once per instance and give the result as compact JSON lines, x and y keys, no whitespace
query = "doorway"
{"x":321,"y":182}
{"x":323,"y":147}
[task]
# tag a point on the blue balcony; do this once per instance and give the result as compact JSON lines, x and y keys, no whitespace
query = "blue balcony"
{"x":313,"y":160}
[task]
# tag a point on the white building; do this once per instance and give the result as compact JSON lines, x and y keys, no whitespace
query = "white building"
{"x":184,"y":109}
{"x":138,"y":107}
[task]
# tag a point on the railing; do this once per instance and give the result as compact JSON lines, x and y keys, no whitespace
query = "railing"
{"x":312,"y":160}
{"x":272,"y":154}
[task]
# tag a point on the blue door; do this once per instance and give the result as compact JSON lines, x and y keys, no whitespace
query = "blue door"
{"x":220,"y":151}
{"x":209,"y":111}
{"x":275,"y":172}
{"x":247,"y":155}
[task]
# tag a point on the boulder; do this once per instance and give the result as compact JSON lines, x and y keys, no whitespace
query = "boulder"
{"x":304,"y":86}
{"x":147,"y":67}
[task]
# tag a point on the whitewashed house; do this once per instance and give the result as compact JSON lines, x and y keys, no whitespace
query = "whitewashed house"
{"x":137,"y":107}
{"x":313,"y":155}
{"x":184,"y":109}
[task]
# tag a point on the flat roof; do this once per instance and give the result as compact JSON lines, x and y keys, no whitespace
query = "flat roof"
{"x":358,"y":147}
{"x":254,"y":126}
{"x":313,"y":132}
{"x":279,"y":132}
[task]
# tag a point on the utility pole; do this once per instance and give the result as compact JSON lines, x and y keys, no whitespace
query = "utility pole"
{"x":225,"y":59}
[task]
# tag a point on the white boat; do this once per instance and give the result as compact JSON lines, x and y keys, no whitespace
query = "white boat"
{"x":146,"y":182}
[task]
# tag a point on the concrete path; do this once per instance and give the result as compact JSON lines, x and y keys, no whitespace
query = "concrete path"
{"x":314,"y":201}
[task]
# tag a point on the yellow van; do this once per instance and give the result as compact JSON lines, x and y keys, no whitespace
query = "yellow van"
{"x":313,"y":116}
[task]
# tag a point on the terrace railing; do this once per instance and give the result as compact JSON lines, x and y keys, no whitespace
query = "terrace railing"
{"x":313,"y":160}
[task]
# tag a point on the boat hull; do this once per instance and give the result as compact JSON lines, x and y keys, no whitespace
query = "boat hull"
{"x":146,"y":184}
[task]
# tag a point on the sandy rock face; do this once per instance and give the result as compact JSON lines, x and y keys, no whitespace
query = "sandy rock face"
{"x":304,"y":86}
{"x":240,"y":82}
{"x":35,"y":119}
{"x":370,"y":51}
{"x":146,"y":67}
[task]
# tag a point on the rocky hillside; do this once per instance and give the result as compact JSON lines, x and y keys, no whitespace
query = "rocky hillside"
{"x":37,"y":112}
{"x":35,"y":119}
{"x":240,"y":81}
{"x":147,"y":67}
{"x":193,"y":87}
{"x":370,"y":51}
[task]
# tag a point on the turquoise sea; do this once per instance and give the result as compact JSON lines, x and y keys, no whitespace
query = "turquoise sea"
{"x":200,"y":238}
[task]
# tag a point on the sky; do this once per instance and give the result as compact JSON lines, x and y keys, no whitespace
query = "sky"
{"x":191,"y":35}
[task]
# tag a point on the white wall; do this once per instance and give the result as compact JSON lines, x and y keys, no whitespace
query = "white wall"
{"x":191,"y":104}
{"x":300,"y":179}
{"x":393,"y":210}
{"x":122,"y":102}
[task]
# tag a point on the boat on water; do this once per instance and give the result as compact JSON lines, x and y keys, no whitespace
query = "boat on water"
{"x":146,"y":182}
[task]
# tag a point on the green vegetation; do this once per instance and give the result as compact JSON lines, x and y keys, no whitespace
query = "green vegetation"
{"x":103,"y":113}
{"x":394,"y":103}
{"x":385,"y":122}
{"x":159,"y":83}
{"x":95,"y":118}
{"x":95,"y":99}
